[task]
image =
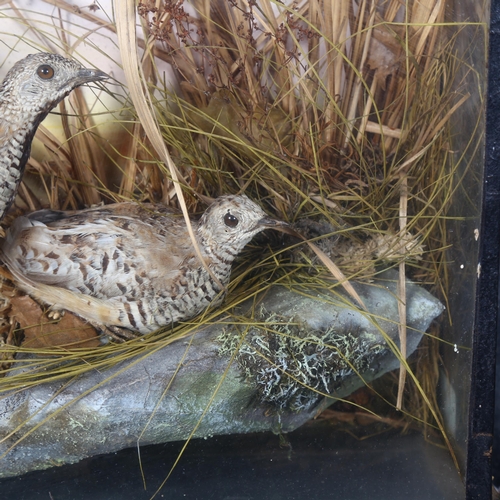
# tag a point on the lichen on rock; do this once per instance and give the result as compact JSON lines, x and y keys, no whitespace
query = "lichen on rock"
{"x":292,"y":365}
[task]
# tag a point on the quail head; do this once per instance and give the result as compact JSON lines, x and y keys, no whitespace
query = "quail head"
{"x":131,"y":266}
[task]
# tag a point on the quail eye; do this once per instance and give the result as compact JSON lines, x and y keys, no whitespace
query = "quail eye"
{"x":45,"y":72}
{"x":231,"y":220}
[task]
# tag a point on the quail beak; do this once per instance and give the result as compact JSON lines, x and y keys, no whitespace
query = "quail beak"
{"x":272,"y":223}
{"x":86,"y":75}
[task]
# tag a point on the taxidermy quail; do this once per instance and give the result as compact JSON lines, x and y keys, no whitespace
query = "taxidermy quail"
{"x":130,"y":266}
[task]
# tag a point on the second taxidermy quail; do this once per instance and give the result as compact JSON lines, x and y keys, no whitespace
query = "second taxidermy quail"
{"x":30,"y":90}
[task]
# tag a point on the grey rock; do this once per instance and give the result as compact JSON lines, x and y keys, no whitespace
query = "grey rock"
{"x":218,"y":388}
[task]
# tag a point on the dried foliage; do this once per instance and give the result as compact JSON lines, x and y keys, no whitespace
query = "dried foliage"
{"x":39,"y":331}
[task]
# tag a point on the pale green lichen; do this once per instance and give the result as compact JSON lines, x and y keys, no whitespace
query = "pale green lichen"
{"x":293,"y":366}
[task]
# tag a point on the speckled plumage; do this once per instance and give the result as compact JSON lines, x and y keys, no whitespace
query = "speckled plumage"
{"x":128,"y":265}
{"x":30,"y":90}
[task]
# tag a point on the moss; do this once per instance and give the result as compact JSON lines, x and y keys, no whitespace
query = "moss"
{"x":291,"y":365}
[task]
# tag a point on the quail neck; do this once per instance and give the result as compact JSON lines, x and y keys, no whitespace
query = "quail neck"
{"x":130,"y":266}
{"x":29,"y":91}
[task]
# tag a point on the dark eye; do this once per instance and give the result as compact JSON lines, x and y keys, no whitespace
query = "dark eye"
{"x":45,"y":72}
{"x":230,"y":220}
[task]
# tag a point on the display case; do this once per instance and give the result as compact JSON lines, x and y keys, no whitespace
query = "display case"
{"x":370,"y":126}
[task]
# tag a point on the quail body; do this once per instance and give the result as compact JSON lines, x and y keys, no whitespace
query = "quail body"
{"x":30,"y":90}
{"x":128,"y":265}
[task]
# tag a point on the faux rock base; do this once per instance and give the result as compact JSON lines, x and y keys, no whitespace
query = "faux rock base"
{"x":232,"y":378}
